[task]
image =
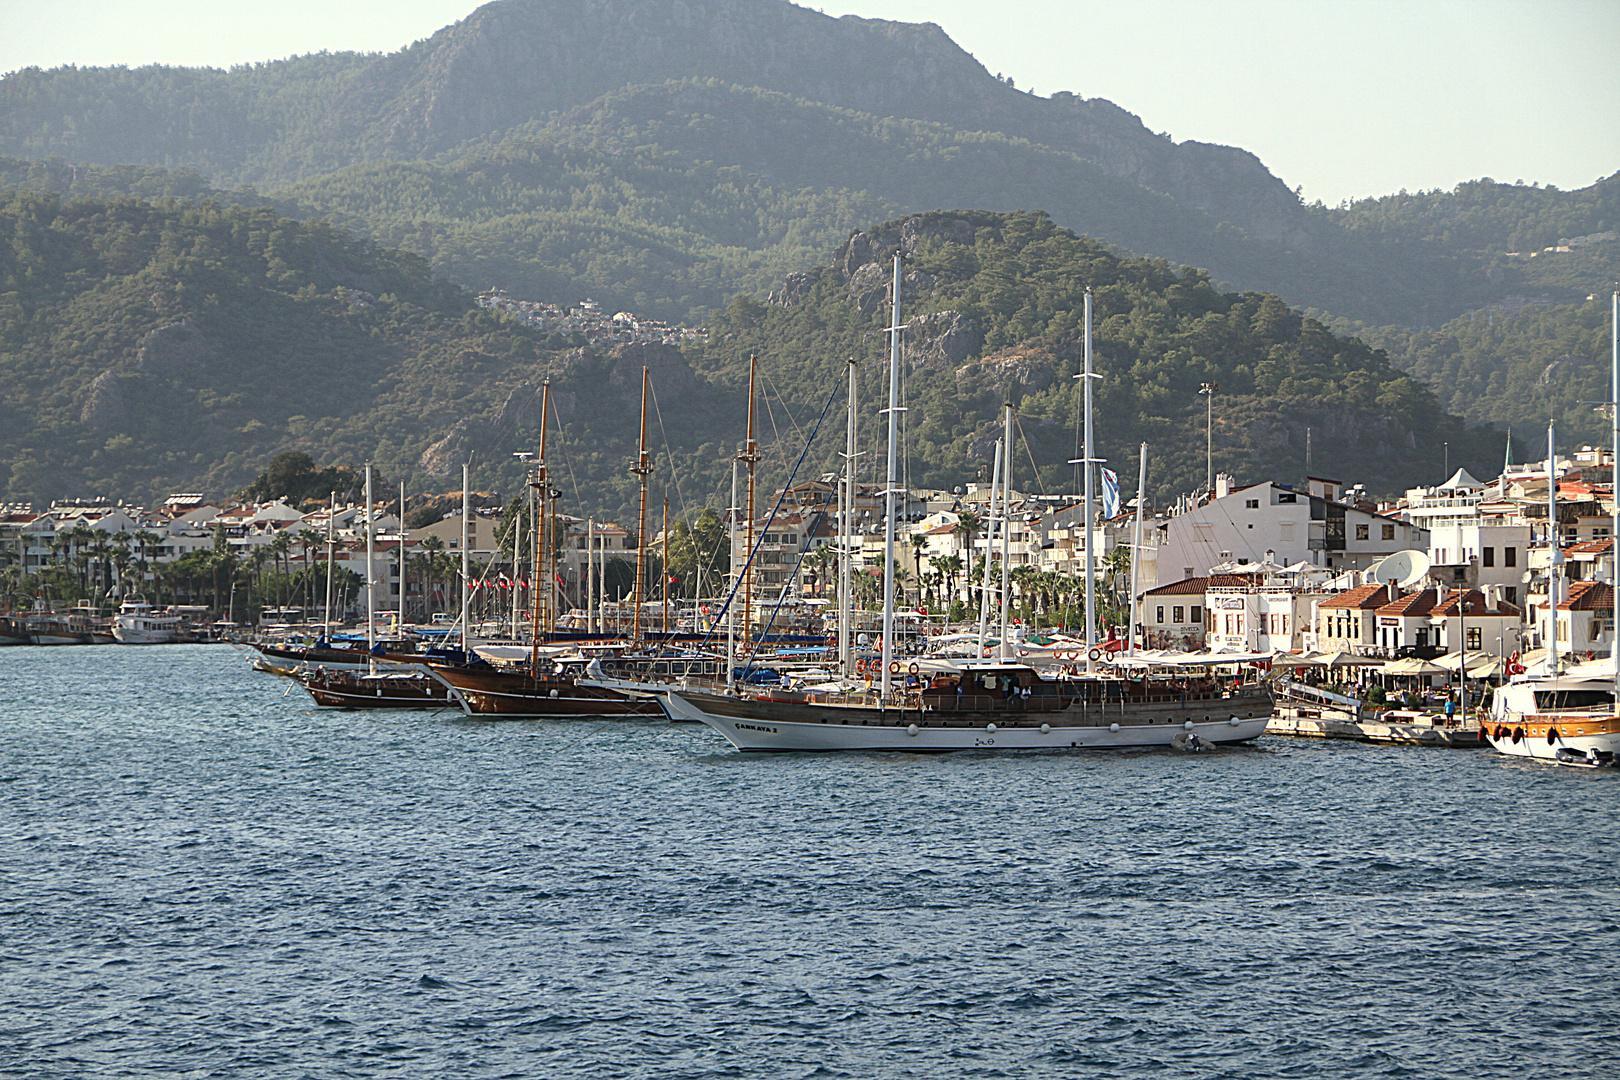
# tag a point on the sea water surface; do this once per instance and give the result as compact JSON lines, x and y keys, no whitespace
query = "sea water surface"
{"x":202,"y":876}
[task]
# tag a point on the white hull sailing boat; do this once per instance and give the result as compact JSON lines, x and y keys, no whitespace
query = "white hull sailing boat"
{"x":1571,"y":718}
{"x":978,"y":705}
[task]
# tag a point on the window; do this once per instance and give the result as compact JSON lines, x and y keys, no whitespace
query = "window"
{"x":1285,"y":531}
{"x":1197,"y":614}
{"x":1161,"y":614}
{"x":1459,"y":573}
{"x":1473,"y":637}
{"x":1511,"y":594}
{"x":1422,"y":636}
{"x":1252,"y":504}
{"x":1287,"y":497}
{"x":1362,"y":531}
{"x":1176,"y":614}
{"x":1510,"y":556}
{"x":1389,"y":531}
{"x":1487,"y":556}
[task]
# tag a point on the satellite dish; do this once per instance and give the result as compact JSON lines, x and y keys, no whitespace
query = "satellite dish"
{"x":1405,"y":568}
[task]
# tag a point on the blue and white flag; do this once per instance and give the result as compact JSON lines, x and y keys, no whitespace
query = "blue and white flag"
{"x":1110,"y":494}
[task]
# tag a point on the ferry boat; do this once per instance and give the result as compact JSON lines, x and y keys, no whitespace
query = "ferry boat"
{"x":137,"y":624}
{"x":990,"y":705}
{"x":1568,"y":718}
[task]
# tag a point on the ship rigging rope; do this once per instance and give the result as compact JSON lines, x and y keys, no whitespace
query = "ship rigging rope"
{"x":1018,"y":425}
{"x":781,"y":596}
{"x":674,"y":472}
{"x":748,"y":564}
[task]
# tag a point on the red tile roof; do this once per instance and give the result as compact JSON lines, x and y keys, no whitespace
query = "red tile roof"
{"x":1412,"y":604}
{"x":1592,"y":547}
{"x":1476,"y":605}
{"x":1361,"y":598}
{"x":1200,"y":585}
{"x":1589,"y":596}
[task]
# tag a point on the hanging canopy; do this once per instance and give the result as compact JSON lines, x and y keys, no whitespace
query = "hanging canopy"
{"x":1476,"y":660}
{"x":1346,"y":659}
{"x":1412,"y":665}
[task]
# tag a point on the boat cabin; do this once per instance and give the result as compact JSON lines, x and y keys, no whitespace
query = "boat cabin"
{"x":1016,"y":686}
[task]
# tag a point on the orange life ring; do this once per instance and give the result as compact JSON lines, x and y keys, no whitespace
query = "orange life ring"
{"x":860,"y":666}
{"x":989,"y":650}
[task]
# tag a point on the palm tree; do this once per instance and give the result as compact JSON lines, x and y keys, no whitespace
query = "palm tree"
{"x":950,"y":566}
{"x":919,"y":544}
{"x":822,"y":561}
{"x":121,"y":557}
{"x":968,"y":523}
{"x":1023,"y":577}
{"x":279,"y":547}
{"x":145,"y":541}
{"x":433,"y":559}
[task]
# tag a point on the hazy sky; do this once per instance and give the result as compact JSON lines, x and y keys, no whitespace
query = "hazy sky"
{"x":1341,"y":97}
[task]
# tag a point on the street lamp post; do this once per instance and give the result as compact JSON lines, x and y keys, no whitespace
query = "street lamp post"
{"x":1209,"y":390}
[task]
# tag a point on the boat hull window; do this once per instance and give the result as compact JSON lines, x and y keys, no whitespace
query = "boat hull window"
{"x":1548,"y":700}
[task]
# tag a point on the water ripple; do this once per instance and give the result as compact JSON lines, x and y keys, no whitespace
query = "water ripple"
{"x":201,"y":877}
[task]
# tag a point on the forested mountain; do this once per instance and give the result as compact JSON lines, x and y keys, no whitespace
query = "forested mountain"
{"x":668,"y":156}
{"x":1544,"y":362}
{"x":147,"y":348}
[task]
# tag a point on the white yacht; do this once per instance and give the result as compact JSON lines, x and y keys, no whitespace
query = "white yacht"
{"x":1568,"y":718}
{"x":138,"y":624}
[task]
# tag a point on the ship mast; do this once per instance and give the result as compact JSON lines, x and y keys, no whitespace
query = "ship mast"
{"x":1614,"y":489}
{"x":541,"y":487}
{"x":331,"y":557}
{"x":665,"y":589}
{"x":731,"y":608}
{"x":1554,"y":556}
{"x":371,"y":586}
{"x":1087,"y":460}
{"x":750,"y":458}
{"x":642,"y":468}
{"x":1136,"y":547}
{"x":403,"y":578}
{"x":1006,"y":527}
{"x":989,"y":545}
{"x":466,"y":555}
{"x":889,"y":490}
{"x":847,"y":520}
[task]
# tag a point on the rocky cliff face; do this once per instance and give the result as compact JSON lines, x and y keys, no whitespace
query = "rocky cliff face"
{"x":514,"y":61}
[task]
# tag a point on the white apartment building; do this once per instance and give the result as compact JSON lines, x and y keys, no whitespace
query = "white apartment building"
{"x":1244,"y":525}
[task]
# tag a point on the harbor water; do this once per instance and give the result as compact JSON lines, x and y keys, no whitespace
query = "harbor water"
{"x":204,"y":877}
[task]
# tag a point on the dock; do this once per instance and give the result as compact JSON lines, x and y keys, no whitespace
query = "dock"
{"x":1313,"y":713}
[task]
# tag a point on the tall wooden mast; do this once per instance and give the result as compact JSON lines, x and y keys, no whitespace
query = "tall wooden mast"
{"x":749,"y":457}
{"x":665,"y":590}
{"x":540,"y":488}
{"x":642,"y":468}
